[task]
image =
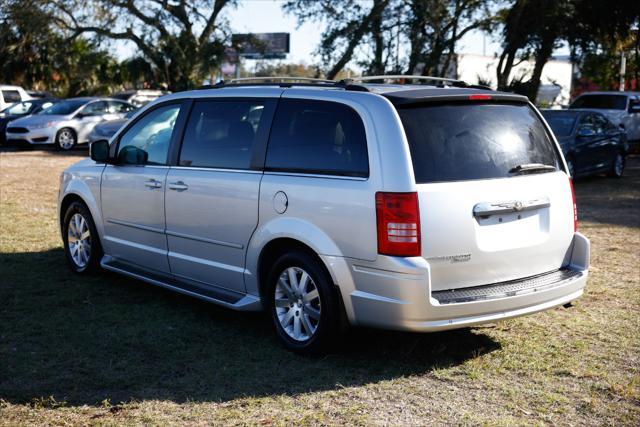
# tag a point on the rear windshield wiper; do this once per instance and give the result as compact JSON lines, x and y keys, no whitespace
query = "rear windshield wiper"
{"x":532,"y":167}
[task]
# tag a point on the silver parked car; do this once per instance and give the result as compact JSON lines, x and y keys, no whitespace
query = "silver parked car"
{"x":409,"y":207}
{"x":66,"y":123}
{"x":621,"y":108}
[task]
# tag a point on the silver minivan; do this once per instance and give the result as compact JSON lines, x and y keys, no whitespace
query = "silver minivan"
{"x":408,"y":207}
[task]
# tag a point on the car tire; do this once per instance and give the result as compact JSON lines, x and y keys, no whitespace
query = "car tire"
{"x":617,"y":167}
{"x":306,"y":316}
{"x":66,"y":139}
{"x":81,"y":242}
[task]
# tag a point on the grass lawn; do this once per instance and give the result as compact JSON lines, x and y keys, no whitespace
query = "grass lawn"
{"x":112,"y":350}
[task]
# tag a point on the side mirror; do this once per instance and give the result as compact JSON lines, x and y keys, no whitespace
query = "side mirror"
{"x":585,"y":132}
{"x":634,"y":108}
{"x":99,"y":151}
{"x":131,"y":155}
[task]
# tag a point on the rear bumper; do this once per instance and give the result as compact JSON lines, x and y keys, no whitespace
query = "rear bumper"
{"x":395,"y":293}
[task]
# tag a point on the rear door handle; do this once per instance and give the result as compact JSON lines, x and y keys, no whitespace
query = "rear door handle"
{"x":486,"y":209}
{"x":152,"y":183}
{"x":178,"y":186}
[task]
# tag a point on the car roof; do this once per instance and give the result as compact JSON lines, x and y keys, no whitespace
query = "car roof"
{"x":411,"y":94}
{"x":398,"y":94}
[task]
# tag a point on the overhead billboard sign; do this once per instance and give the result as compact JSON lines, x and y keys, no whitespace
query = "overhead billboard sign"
{"x":261,"y":45}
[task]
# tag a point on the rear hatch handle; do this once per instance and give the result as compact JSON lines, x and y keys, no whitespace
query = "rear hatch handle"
{"x":486,"y":209}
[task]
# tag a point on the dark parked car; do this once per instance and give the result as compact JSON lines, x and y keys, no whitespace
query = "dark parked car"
{"x":590,"y":142}
{"x":22,"y":109}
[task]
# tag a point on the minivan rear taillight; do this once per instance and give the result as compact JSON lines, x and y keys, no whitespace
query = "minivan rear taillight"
{"x":398,"y":224}
{"x":575,"y":208}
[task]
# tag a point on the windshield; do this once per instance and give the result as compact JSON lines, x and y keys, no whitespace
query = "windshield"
{"x":603,"y":102}
{"x":65,"y":107}
{"x":561,"y":123}
{"x":457,"y":142}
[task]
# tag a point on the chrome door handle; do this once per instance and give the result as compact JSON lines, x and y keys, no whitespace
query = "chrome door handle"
{"x":484,"y":210}
{"x":178,"y":186}
{"x":152,"y":183}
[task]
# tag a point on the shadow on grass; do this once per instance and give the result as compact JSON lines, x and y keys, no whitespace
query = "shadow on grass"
{"x":83,"y":340}
{"x":611,"y":201}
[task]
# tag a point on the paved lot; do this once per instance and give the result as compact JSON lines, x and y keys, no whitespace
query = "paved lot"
{"x":110,"y":350}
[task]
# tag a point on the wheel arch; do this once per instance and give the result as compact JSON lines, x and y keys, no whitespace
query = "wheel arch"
{"x":88,"y":200}
{"x":277,"y":234}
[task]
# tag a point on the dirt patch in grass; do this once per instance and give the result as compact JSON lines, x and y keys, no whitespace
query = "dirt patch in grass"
{"x":110,"y":350}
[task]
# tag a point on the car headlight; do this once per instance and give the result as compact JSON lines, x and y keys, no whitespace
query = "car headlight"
{"x":42,"y":125}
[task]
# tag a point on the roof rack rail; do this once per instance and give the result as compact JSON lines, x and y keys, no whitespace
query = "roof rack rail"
{"x":284,"y":81}
{"x":442,"y":80}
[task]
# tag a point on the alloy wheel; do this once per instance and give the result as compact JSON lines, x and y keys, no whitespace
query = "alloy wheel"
{"x":66,"y":139}
{"x":79,"y":238}
{"x":297,"y":304}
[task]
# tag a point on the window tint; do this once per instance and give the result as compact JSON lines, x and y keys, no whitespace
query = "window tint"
{"x":11,"y":96}
{"x":601,"y":123}
{"x":220,"y":134}
{"x":148,"y":140}
{"x":95,"y":109}
{"x":119,"y":107}
{"x":458,"y":142}
{"x":317,"y":137}
{"x":593,"y":122}
{"x":561,"y":122}
{"x":607,"y":102}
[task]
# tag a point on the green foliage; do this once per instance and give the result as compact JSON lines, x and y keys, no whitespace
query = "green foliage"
{"x":532,"y":29}
{"x":379,"y":30}
{"x":183,"y":41}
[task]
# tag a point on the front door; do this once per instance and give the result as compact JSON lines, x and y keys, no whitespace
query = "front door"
{"x":133,"y":191}
{"x":212,"y":195}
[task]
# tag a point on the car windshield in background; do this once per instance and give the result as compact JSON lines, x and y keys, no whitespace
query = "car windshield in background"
{"x":457,"y":142}
{"x":561,"y":122}
{"x":603,"y":102}
{"x":63,"y":108}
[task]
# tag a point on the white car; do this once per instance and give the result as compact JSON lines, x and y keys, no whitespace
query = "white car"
{"x":66,"y":123}
{"x":621,"y":108}
{"x":12,"y":94}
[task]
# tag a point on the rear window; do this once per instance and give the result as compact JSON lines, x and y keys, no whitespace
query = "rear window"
{"x":457,"y":142}
{"x":604,"y":102}
{"x":317,"y":137}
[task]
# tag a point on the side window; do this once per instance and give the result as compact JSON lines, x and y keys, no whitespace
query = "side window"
{"x":119,"y":107}
{"x":147,"y":141}
{"x":95,"y":109}
{"x":600,"y":123}
{"x":317,"y":137}
{"x":587,"y":122}
{"x":220,"y":134}
{"x":11,"y":96}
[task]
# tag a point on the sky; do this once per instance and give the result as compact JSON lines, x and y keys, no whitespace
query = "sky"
{"x":258,"y":16}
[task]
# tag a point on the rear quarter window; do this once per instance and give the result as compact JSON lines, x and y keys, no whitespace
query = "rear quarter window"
{"x":458,"y":142}
{"x":318,"y":137}
{"x":11,"y":96}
